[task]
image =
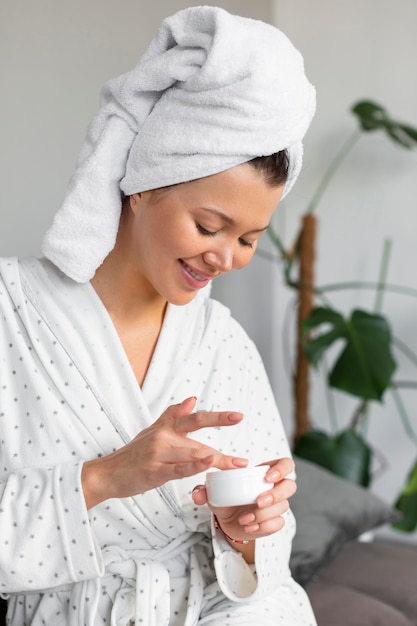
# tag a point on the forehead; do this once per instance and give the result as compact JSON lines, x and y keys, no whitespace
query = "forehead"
{"x":233,"y":192}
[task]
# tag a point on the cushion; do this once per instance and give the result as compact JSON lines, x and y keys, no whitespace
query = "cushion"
{"x":330,"y":512}
{"x":335,"y":605}
{"x":385,"y":570}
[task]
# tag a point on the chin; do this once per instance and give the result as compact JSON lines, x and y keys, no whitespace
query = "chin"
{"x":182,"y":299}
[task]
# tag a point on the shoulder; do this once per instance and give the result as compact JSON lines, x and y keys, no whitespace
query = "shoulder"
{"x":229,"y":334}
{"x":14,"y":269}
{"x":10,"y":280}
{"x":8,"y":266}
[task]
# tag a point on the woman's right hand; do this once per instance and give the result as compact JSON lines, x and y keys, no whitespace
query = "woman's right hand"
{"x":159,"y":453}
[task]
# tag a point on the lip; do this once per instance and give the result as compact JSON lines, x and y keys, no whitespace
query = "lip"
{"x":195,"y":278}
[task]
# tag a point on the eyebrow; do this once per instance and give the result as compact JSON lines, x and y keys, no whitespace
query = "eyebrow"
{"x":231,"y":221}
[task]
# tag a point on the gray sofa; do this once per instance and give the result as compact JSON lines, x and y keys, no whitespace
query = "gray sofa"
{"x":349,"y":582}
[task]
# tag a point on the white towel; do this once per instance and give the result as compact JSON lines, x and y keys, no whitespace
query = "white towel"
{"x":213,"y":90}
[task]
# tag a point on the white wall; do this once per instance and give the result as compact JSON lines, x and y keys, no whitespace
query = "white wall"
{"x":54,"y":58}
{"x":355,"y":50}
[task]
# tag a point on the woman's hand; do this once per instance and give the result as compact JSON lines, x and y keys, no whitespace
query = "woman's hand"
{"x":159,"y":453}
{"x":263,"y":518}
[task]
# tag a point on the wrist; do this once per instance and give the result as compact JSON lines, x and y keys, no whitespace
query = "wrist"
{"x":95,"y":481}
{"x":218,"y":527}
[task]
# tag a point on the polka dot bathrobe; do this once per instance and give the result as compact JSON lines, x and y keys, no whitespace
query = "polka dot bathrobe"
{"x":68,"y":394}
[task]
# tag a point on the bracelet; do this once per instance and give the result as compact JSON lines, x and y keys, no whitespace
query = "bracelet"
{"x":218,"y":527}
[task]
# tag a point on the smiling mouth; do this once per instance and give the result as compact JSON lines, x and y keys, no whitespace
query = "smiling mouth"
{"x":193,"y":273}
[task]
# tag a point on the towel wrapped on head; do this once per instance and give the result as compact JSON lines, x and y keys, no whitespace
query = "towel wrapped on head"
{"x":212,"y":91}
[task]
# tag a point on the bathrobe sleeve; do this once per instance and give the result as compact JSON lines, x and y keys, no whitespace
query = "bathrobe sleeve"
{"x":261,"y":437}
{"x":45,"y":534}
{"x":46,"y":540}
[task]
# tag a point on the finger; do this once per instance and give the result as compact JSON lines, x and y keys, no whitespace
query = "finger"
{"x":189,"y":468}
{"x":206,"y":419}
{"x":224,"y":462}
{"x":221,"y":461}
{"x":193,"y":451}
{"x":183,"y":408}
{"x":199,"y":495}
{"x":267,"y":527}
{"x":180,"y":470}
{"x":252,"y":520}
{"x":282,"y":491}
{"x":278,"y":469}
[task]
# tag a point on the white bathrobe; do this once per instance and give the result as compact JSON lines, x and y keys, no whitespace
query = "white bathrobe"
{"x":68,"y":394}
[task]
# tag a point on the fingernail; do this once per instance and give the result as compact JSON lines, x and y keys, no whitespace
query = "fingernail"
{"x":273,"y":477}
{"x":240,"y":462}
{"x":234,"y":417}
{"x":193,"y":398}
{"x":265,"y":501}
{"x":196,"y":490}
{"x":253,"y":528}
{"x":247,"y":519}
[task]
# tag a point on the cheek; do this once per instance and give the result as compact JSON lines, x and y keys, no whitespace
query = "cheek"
{"x":161,"y":241}
{"x":176,"y":237}
{"x":243,"y":256}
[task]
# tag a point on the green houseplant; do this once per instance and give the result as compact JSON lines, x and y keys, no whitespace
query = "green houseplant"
{"x":365,"y":365}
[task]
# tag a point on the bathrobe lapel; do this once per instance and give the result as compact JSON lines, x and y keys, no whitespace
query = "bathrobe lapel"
{"x":108,"y":398}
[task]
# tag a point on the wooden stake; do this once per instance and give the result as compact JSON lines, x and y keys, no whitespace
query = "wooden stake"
{"x":307,"y":241}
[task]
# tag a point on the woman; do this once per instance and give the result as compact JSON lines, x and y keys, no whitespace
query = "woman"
{"x":123,"y":382}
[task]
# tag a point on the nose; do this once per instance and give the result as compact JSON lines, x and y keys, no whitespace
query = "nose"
{"x":221,"y":258}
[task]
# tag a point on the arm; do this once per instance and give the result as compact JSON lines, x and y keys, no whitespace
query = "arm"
{"x":46,"y":537}
{"x":158,"y":454}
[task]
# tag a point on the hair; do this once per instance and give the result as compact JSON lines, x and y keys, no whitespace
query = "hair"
{"x":273,"y":167}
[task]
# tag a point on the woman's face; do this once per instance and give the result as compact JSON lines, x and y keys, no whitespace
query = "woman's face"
{"x":182,"y":237}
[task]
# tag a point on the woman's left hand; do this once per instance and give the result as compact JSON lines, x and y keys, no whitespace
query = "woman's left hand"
{"x":252,"y":521}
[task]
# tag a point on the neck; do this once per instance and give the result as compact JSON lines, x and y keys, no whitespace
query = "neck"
{"x":137,"y":315}
{"x":124,"y":294}
{"x":127,"y":295}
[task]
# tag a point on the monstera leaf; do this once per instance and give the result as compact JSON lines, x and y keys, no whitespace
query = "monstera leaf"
{"x":372,"y":117}
{"x":407,"y":504}
{"x":365,"y":365}
{"x":347,"y":454}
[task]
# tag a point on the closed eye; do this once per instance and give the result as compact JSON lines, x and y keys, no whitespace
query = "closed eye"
{"x":204,"y":231}
{"x":210,"y":233}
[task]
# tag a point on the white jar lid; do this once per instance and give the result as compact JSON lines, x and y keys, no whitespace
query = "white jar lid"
{"x":237,"y":486}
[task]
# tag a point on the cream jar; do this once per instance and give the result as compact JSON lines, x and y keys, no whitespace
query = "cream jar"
{"x":237,"y":486}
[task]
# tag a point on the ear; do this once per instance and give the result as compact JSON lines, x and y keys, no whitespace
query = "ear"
{"x":134,"y":201}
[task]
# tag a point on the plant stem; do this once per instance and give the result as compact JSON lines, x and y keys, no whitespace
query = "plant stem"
{"x":383,"y":272}
{"x":268,"y":256}
{"x":406,"y":350}
{"x":331,"y":406}
{"x":359,"y":415}
{"x":332,"y":169}
{"x":406,"y":291}
{"x":277,"y":242}
{"x":334,"y":166}
{"x":404,"y":384}
{"x":403,"y":414}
